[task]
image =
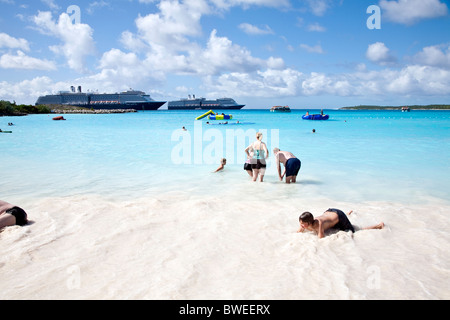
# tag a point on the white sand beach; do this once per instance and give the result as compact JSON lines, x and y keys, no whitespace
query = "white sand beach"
{"x":179,"y":246}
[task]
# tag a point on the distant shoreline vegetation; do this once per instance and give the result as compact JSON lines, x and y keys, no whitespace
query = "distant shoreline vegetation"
{"x":12,"y":109}
{"x":416,"y":107}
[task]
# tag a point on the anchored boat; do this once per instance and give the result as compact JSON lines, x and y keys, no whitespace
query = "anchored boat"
{"x":280,"y":109}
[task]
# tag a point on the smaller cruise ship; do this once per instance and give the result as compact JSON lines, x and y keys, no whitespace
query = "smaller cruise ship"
{"x":193,"y":103}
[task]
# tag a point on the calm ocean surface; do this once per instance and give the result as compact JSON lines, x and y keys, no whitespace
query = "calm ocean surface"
{"x":354,"y":156}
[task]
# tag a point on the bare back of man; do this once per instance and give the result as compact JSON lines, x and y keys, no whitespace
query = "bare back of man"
{"x":324,"y":222}
{"x":283,"y":157}
{"x":11,"y":215}
{"x":332,"y":218}
{"x":6,"y":219}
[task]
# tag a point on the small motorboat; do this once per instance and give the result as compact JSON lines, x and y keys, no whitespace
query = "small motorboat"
{"x":280,"y":109}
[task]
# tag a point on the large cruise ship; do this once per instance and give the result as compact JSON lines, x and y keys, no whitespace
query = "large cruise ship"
{"x":131,"y":99}
{"x":193,"y":103}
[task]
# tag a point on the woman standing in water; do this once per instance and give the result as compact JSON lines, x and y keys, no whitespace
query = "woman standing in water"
{"x":258,"y":160}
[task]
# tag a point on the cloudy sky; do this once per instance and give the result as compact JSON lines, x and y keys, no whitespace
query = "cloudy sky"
{"x":301,"y":53}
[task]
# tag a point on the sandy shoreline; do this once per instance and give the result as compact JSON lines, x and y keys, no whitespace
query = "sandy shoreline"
{"x":176,"y":246}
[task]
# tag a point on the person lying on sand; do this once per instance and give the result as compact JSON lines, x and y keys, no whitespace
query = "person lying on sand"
{"x":11,"y":215}
{"x":332,"y":218}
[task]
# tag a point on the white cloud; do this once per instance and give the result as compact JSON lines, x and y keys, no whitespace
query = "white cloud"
{"x":411,"y":80}
{"x":281,"y":82}
{"x":180,"y":19}
{"x":77,"y":38}
{"x":120,"y":68}
{"x":126,"y":65}
{"x":321,"y":84}
{"x":226,"y":4}
{"x":312,"y":49}
{"x":380,"y":54}
{"x":438,"y":56}
{"x":275,"y":63}
{"x":269,"y":83}
{"x":26,"y":91}
{"x":417,"y":79}
{"x":319,"y":7}
{"x":170,"y":29}
{"x":411,"y":11}
{"x":51,"y":4}
{"x":167,"y":39}
{"x":6,"y":41}
{"x":133,"y":42}
{"x":96,"y":5}
{"x":222,"y":55}
{"x":316,"y":27}
{"x":22,"y":61}
{"x":254,"y":30}
{"x":182,"y":89}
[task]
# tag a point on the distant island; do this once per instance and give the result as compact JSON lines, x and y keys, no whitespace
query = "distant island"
{"x":12,"y":109}
{"x":416,"y":107}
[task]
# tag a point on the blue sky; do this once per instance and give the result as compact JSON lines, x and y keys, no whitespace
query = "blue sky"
{"x":301,"y":53}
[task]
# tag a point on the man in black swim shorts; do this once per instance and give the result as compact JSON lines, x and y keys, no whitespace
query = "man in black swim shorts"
{"x":11,"y":215}
{"x":343,"y":222}
{"x":291,"y":164}
{"x":331,"y":219}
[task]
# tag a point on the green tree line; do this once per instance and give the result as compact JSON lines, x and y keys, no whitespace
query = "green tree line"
{"x":12,"y":109}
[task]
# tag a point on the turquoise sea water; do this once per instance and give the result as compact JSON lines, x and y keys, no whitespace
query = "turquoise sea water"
{"x":127,"y":206}
{"x":354,"y":156}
